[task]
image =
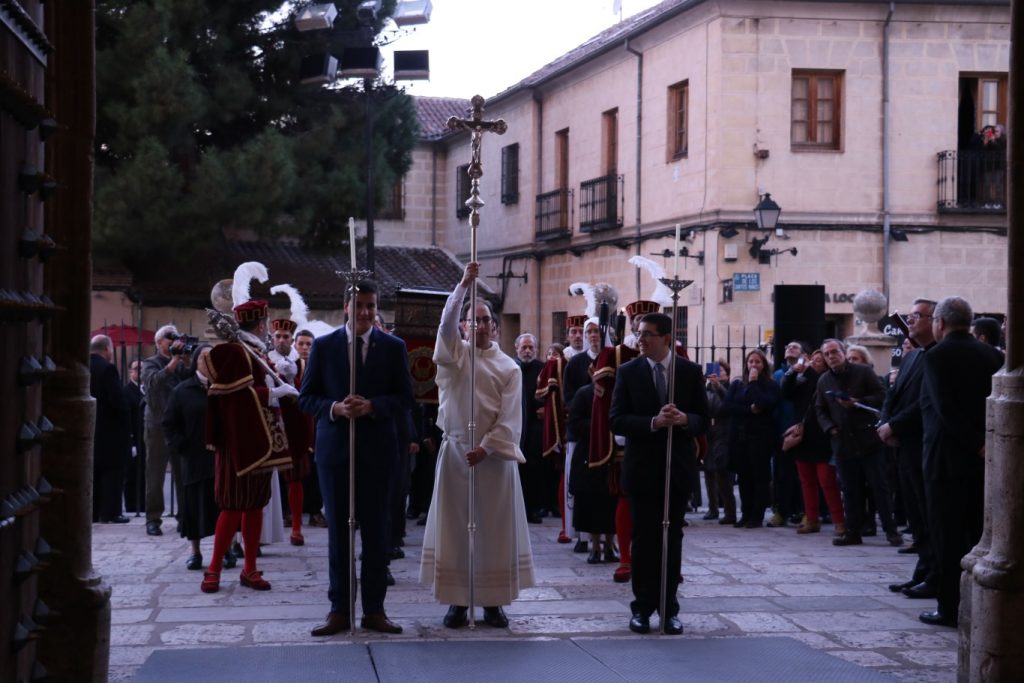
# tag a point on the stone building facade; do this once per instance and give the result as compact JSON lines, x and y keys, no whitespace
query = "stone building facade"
{"x":860,"y":120}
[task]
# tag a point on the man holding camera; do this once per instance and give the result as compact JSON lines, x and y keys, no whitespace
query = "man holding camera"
{"x":161,"y":372}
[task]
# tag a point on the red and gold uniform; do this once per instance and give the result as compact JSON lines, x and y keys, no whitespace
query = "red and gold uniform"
{"x":248,"y":442}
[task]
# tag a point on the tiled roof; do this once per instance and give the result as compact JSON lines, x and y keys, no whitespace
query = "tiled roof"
{"x":310,"y":271}
{"x":434,"y":112}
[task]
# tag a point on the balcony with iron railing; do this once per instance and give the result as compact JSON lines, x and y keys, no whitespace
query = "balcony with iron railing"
{"x":599,"y":203}
{"x":553,"y":219}
{"x":972,"y":181}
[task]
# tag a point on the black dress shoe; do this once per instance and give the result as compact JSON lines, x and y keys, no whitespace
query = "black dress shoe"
{"x":640,"y":624}
{"x":237,"y":550}
{"x":120,"y":519}
{"x":379,"y":623}
{"x":909,"y":550}
{"x":899,"y":587}
{"x":534,"y":519}
{"x":742,"y":522}
{"x":194,"y":562}
{"x":936,"y":618}
{"x":456,"y":617}
{"x":336,"y":622}
{"x":754,"y":524}
{"x":396,"y":553}
{"x":580,"y":547}
{"x":708,"y":516}
{"x":673,"y":626}
{"x":594,"y":557}
{"x":847,"y":539}
{"x":609,"y":556}
{"x":230,"y":561}
{"x":727,"y":520}
{"x":495,"y":616}
{"x":153,"y":529}
{"x":921,"y":591}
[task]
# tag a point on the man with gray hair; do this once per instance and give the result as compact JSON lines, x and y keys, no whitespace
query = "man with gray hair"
{"x":161,"y":372}
{"x":112,"y":438}
{"x":531,"y":438}
{"x":957,"y":379}
{"x":846,"y":395}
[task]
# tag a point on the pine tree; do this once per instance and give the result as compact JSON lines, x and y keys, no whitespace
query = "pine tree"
{"x":203,"y":128}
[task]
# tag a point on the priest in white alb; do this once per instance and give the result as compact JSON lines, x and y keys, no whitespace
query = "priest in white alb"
{"x":502,"y":556}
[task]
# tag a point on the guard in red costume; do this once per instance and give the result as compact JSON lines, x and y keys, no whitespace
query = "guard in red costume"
{"x":298,"y":426}
{"x":549,"y":392}
{"x":604,"y":451}
{"x":244,"y":433}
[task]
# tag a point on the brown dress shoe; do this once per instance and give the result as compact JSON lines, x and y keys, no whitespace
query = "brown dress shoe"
{"x":380,"y":623}
{"x":336,"y":622}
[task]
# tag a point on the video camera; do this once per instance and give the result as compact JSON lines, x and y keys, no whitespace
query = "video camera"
{"x":188,"y":344}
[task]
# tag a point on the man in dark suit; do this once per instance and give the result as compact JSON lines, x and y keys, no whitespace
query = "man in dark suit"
{"x":900,"y":427}
{"x":957,"y":379}
{"x":642,"y":412}
{"x":135,"y":471}
{"x":383,"y":395}
{"x":112,"y":439}
{"x":531,"y":440}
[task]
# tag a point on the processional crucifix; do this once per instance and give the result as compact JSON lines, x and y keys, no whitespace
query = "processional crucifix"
{"x":477,"y":127}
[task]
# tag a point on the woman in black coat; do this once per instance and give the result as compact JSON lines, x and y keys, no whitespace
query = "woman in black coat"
{"x":184,"y":425}
{"x":751,"y":402}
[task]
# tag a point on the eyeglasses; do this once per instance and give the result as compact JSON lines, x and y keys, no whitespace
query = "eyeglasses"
{"x":917,"y":316}
{"x":485,"y":320}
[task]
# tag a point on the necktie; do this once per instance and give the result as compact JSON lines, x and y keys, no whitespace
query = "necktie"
{"x":359,"y":358}
{"x":660,"y":383}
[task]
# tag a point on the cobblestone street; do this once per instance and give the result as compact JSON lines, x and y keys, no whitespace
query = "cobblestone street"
{"x":738,"y":582}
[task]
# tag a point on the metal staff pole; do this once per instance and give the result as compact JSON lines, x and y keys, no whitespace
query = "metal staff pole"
{"x":352,"y":279}
{"x":676,"y":285}
{"x":477,"y":126}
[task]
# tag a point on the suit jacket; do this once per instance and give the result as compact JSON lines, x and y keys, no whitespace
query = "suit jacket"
{"x":956,"y":381}
{"x":532,"y":438}
{"x":902,"y":409}
{"x":385,"y":381}
{"x":577,"y":374}
{"x":634,"y":404}
{"x":112,"y":440}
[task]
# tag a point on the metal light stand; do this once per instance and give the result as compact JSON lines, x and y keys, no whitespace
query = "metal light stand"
{"x":477,"y":126}
{"x":352,"y":279}
{"x":676,"y":285}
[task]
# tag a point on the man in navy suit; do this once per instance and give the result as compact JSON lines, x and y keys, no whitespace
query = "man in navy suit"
{"x":642,"y":412}
{"x":383,"y":394}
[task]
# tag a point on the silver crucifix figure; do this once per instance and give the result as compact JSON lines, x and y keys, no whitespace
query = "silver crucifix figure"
{"x":477,"y":126}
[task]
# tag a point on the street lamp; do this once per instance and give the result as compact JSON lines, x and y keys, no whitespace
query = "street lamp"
{"x":766,"y":213}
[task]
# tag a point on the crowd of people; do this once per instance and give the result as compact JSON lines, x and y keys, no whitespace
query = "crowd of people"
{"x":587,"y":435}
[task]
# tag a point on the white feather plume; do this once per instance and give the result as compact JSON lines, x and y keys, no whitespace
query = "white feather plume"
{"x":586,"y":290}
{"x":244,"y":275}
{"x":661,"y":295}
{"x":299,"y":309}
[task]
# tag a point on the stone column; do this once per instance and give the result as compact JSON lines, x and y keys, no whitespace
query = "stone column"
{"x":992,"y":610}
{"x":76,"y":644}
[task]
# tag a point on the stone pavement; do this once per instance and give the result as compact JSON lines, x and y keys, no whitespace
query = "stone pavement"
{"x":738,"y":583}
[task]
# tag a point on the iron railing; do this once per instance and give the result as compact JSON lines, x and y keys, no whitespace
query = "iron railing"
{"x":972,"y":181}
{"x":599,"y":203}
{"x":552,"y":219}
